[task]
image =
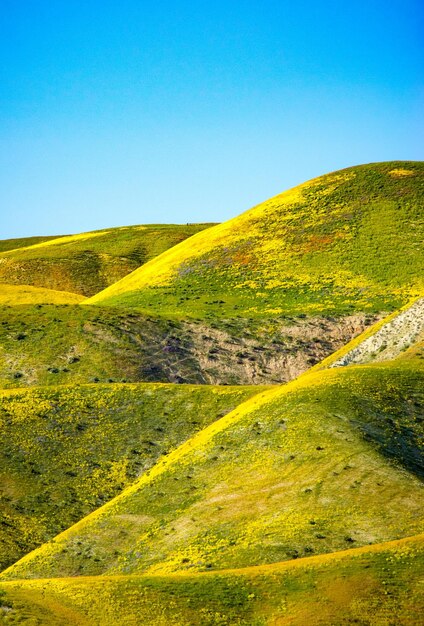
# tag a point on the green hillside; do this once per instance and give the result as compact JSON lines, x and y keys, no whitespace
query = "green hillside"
{"x":313,"y":467}
{"x":14,"y":295}
{"x":149,"y":473}
{"x":67,"y":450}
{"x":51,"y":345}
{"x":88,"y":262}
{"x":376,"y":585}
{"x":22,"y":242}
{"x":350,"y":240}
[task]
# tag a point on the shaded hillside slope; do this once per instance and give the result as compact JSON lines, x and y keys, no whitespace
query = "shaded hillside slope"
{"x":313,"y":467}
{"x":376,"y":585}
{"x":50,"y":345}
{"x":416,"y":351}
{"x":88,"y":262}
{"x":65,"y":451}
{"x":347,"y":241}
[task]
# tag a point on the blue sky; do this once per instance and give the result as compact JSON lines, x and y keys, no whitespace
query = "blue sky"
{"x":131,"y":112}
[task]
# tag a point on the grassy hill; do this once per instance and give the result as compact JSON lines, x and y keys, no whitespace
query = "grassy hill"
{"x":67,"y":450}
{"x":87,"y":262}
{"x":13,"y":295}
{"x":313,"y":467}
{"x":347,"y":241}
{"x":376,"y":585}
{"x":22,"y":242}
{"x":59,"y":344}
{"x":212,"y":503}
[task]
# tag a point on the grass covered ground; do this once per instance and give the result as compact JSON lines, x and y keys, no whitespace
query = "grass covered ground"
{"x":63,"y":344}
{"x":65,"y":451}
{"x":22,"y":242}
{"x":374,"y":586}
{"x":347,"y":241}
{"x":87,"y":262}
{"x":324,"y":463}
{"x":16,"y":295}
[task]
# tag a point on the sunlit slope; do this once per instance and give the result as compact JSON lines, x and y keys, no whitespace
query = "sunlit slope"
{"x":12,"y":295}
{"x":65,"y":451}
{"x":416,"y":351}
{"x":350,"y":240}
{"x":88,"y":262}
{"x":327,"y":462}
{"x":368,"y":585}
{"x":22,"y":242}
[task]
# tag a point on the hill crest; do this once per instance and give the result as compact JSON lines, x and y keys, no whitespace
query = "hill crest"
{"x":345,"y":241}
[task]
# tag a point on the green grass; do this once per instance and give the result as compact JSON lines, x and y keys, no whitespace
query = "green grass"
{"x":379,"y":586}
{"x":67,"y":450}
{"x":50,"y":345}
{"x":413,"y":352}
{"x":313,"y":467}
{"x":348,"y":241}
{"x":87,"y":262}
{"x":22,"y":242}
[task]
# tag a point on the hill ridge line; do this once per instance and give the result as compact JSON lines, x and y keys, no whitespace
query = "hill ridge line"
{"x":280,"y":565}
{"x":173,"y":252}
{"x":53,"y":242}
{"x":257,"y":255}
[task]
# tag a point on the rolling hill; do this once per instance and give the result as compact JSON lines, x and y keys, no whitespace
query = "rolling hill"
{"x":329,"y":461}
{"x":66,"y":450}
{"x":347,"y":241}
{"x":12,"y":295}
{"x":143,"y":482}
{"x":87,"y":262}
{"x":23,"y":242}
{"x":376,"y":585}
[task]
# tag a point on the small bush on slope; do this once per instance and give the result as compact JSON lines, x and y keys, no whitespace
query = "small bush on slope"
{"x":65,"y":451}
{"x":376,"y":585}
{"x":88,"y":262}
{"x":309,"y":468}
{"x":347,"y":241}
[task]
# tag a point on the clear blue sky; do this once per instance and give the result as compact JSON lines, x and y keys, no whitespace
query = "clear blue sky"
{"x":127,"y":112}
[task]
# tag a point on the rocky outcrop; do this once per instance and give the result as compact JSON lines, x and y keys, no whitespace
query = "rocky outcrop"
{"x":390,"y":340}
